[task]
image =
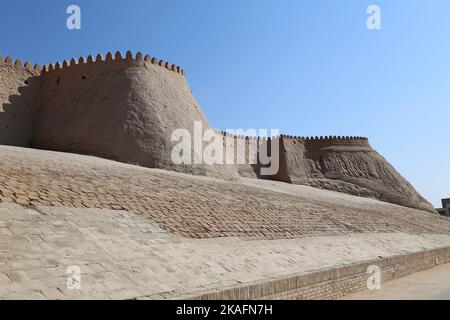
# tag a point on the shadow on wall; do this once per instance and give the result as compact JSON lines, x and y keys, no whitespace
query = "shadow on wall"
{"x":17,"y":113}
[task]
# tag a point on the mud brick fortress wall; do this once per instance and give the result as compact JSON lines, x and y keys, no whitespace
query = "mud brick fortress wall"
{"x":126,"y":108}
{"x":344,"y":164}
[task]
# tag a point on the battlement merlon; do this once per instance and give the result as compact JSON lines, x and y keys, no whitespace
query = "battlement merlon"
{"x":110,"y":58}
{"x":18,"y":64}
{"x":328,"y":139}
{"x":90,"y":60}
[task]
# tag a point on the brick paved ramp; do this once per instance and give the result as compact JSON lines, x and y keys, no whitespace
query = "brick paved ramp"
{"x":144,"y":233}
{"x":199,"y":207}
{"x":124,"y":256}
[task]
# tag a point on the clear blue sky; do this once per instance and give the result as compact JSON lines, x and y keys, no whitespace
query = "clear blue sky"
{"x":305,"y":67}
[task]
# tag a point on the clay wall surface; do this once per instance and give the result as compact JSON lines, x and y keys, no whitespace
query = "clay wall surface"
{"x":243,"y":151}
{"x":19,"y":86}
{"x":122,"y":109}
{"x":344,"y":164}
{"x":349,"y":165}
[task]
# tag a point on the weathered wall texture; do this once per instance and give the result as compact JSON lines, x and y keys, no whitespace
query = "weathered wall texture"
{"x":122,"y":109}
{"x":344,"y":164}
{"x":242,"y":152}
{"x":348,"y":165}
{"x":19,"y":86}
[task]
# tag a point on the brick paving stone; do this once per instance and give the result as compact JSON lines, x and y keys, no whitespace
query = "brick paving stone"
{"x":167,"y":234}
{"x":190,"y":206}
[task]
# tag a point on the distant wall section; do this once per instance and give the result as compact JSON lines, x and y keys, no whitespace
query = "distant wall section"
{"x":346,"y":164}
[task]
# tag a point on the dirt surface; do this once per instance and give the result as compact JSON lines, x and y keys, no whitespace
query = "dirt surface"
{"x":433,"y":284}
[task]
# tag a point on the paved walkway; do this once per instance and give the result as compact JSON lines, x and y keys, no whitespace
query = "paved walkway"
{"x":433,"y":284}
{"x":145,"y":233}
{"x":123,"y":256}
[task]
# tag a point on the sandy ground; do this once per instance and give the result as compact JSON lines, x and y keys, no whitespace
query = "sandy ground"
{"x":433,"y":284}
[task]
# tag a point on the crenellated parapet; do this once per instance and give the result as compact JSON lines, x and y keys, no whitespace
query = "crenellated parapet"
{"x":111,"y":59}
{"x":240,"y":137}
{"x":324,"y":138}
{"x":327,"y":138}
{"x":18,"y":64}
{"x":122,"y":107}
{"x":321,"y":139}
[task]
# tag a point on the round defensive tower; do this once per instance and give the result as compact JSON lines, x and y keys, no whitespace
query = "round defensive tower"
{"x":123,"y":109}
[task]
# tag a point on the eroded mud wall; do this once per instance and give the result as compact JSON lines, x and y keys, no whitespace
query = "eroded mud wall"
{"x":19,"y":86}
{"x":349,"y":165}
